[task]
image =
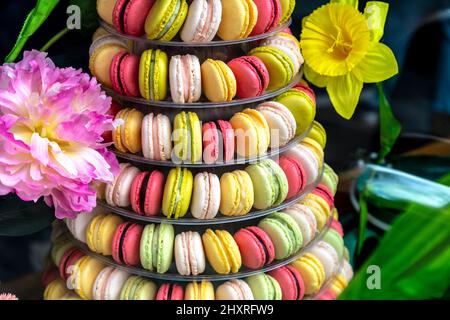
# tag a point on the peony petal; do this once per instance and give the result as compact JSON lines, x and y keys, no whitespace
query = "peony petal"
{"x":376,"y":14}
{"x":353,"y":3}
{"x":344,"y":93}
{"x":315,"y":78}
{"x":378,"y":65}
{"x":39,"y":148}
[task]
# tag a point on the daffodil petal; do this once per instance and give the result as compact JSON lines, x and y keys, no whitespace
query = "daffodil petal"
{"x":378,"y":65}
{"x":315,"y":78}
{"x":376,"y":14}
{"x":353,"y":3}
{"x":344,"y":93}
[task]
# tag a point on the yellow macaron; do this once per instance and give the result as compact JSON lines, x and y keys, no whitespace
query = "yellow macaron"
{"x":127,"y":136}
{"x":55,"y":290}
{"x":199,"y":291}
{"x":318,"y":134}
{"x":237,"y":193}
{"x":100,"y":233}
{"x":86,"y":271}
{"x":218,"y":81}
{"x":239,"y":17}
{"x":312,"y":271}
{"x":222,"y":251}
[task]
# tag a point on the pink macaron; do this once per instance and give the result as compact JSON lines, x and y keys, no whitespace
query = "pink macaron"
{"x":269,"y":16}
{"x":295,"y":174}
{"x":325,"y":193}
{"x":185,"y":78}
{"x":129,"y":16}
{"x":124,"y":74}
{"x":117,"y":194}
{"x":252,"y":76}
{"x":205,"y":200}
{"x":109,"y":283}
{"x":307,"y":159}
{"x":170,"y":291}
{"x":337,"y":226}
{"x":290,"y":281}
{"x":218,"y":142}
{"x":156,"y":137}
{"x":189,"y":253}
{"x":126,"y":243}
{"x":256,"y":247}
{"x":202,"y":21}
{"x":69,"y":258}
{"x":327,"y":294}
{"x":147,"y":192}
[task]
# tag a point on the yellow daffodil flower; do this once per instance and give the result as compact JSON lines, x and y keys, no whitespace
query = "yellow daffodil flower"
{"x":342,"y":50}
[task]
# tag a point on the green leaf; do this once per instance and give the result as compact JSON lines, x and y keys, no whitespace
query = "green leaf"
{"x":390,"y":127}
{"x":89,"y":17}
{"x":37,"y":16}
{"x":363,"y":213}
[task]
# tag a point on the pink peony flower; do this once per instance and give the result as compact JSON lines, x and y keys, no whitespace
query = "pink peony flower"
{"x":51,"y":126}
{"x":8,"y":296}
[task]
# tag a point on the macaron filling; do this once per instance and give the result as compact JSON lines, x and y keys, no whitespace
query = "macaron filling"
{"x":178,"y":196}
{"x":122,"y":240}
{"x":150,"y":76}
{"x":296,"y":284}
{"x":171,"y":20}
{"x":143,"y":192}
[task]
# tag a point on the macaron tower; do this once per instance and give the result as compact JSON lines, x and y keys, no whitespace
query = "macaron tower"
{"x":222,"y":191}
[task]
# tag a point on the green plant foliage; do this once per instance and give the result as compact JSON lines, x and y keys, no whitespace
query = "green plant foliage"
{"x":89,"y":18}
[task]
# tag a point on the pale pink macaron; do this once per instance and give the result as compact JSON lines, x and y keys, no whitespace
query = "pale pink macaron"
{"x":202,"y":21}
{"x":156,"y":137}
{"x":305,"y":219}
{"x":189,"y":253}
{"x":109,"y":283}
{"x":205,"y":200}
{"x":234,"y":290}
{"x":308,"y":160}
{"x":281,"y":122}
{"x":289,"y":45}
{"x":328,"y":256}
{"x":117,"y":194}
{"x":185,"y":79}
{"x":78,"y":225}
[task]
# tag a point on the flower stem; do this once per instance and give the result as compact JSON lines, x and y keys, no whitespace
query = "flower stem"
{"x":54,"y":39}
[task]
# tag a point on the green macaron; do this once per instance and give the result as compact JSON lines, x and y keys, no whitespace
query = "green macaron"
{"x":137,"y":288}
{"x":156,"y":250}
{"x":330,"y":178}
{"x":270,"y":184}
{"x":333,"y":238}
{"x":264,"y":287}
{"x":284,"y":233}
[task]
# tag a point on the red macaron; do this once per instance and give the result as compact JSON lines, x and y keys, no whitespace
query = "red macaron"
{"x":256,"y":247}
{"x":218,"y":142}
{"x":269,"y":16}
{"x":252,"y":76}
{"x":147,"y":192}
{"x":295,"y":174}
{"x":124,"y":73}
{"x":326,"y":194}
{"x":126,"y":243}
{"x":169,"y":291}
{"x":290,"y":281}
{"x":129,"y":16}
{"x":69,"y":258}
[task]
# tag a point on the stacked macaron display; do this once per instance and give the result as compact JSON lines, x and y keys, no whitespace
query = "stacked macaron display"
{"x":198,"y":21}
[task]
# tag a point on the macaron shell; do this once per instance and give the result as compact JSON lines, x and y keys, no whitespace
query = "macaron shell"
{"x":133,"y":127}
{"x":252,"y":77}
{"x":308,"y":161}
{"x":281,"y":122}
{"x":100,"y":62}
{"x":215,"y":252}
{"x":122,"y":186}
{"x":105,"y":10}
{"x":318,"y":134}
{"x":153,"y":86}
{"x":269,"y":16}
{"x":238,"y":19}
{"x":295,"y":174}
{"x":115,"y":283}
{"x":163,"y":292}
{"x":126,"y":244}
{"x":218,"y":81}
{"x":210,"y":143}
{"x":263,"y":129}
{"x":146,"y":247}
{"x":264,"y":287}
{"x":287,"y":8}
{"x":255,"y":246}
{"x":327,"y":256}
{"x":305,"y":220}
{"x":55,"y":290}
{"x":134,"y":15}
{"x":290,"y":281}
{"x":88,"y":270}
{"x":106,"y":232}
{"x":246,"y":131}
{"x":312,"y":272}
{"x":162,"y":13}
{"x":205,"y":200}
{"x":234,"y":290}
{"x":228,"y":139}
{"x":165,"y":245}
{"x":124,"y":74}
{"x":333,"y":238}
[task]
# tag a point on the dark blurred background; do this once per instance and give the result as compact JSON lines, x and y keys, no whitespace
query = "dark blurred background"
{"x":417,"y":31}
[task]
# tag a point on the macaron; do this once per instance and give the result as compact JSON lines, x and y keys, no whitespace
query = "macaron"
{"x":252,"y":133}
{"x":185,"y":78}
{"x":101,"y":54}
{"x":318,"y":134}
{"x":156,"y":137}
{"x":302,"y":106}
{"x":315,"y":148}
{"x":239,"y":17}
{"x":307,"y":159}
{"x":189,"y":253}
{"x":177,"y":193}
{"x":112,"y":111}
{"x":281,"y":123}
{"x":100,"y":233}
{"x":138,"y":288}
{"x":124,"y":74}
{"x":55,"y":290}
{"x":264,"y":287}
{"x":347,"y":270}
{"x":333,"y":238}
{"x":67,"y":262}
{"x":156,"y":247}
{"x":280,"y":66}
{"x":170,"y":291}
{"x":269,"y":16}
{"x":234,"y":289}
{"x":218,"y":81}
{"x":256,"y":247}
{"x":147,"y":192}
{"x":326,"y":194}
{"x":202,"y":21}
{"x":336,"y":225}
{"x":327,"y":294}
{"x":49,"y":273}
{"x":312,"y":272}
{"x":153,"y":74}
{"x":87,"y":269}
{"x":330,"y":178}
{"x":287,"y":8}
{"x":125,"y":248}
{"x":165,"y":19}
{"x":295,"y":175}
{"x":327,"y":256}
{"x":236,"y":193}
{"x":62,"y":244}
{"x":78,"y":225}
{"x":187,"y":137}
{"x":252,"y":76}
{"x":284,"y":232}
{"x":205,"y":200}
{"x":117,"y":194}
{"x":305,"y":220}
{"x":129,"y":16}
{"x":270,"y":184}
{"x":127,"y":135}
{"x":218,"y":142}
{"x":109,"y":283}
{"x":105,"y":10}
{"x":290,"y":281}
{"x":319,"y":208}
{"x":289,"y":45}
{"x":203,"y":290}
{"x":222,"y":251}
